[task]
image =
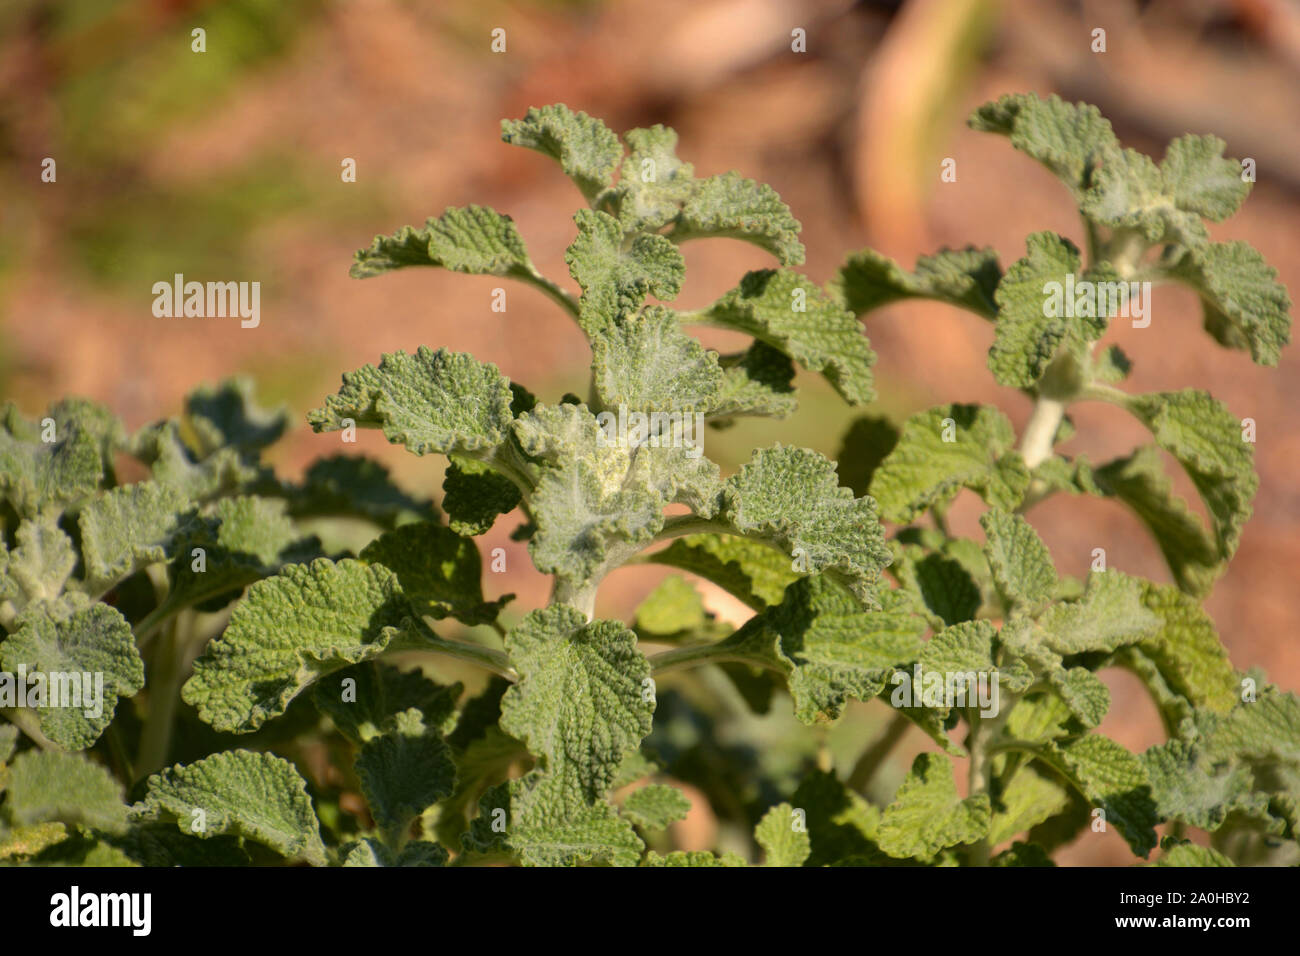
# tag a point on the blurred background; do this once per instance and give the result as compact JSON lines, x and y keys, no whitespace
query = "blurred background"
{"x":225,"y":165}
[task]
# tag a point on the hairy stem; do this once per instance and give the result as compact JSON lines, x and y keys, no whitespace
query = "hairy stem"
{"x":1040,"y":433}
{"x":165,"y":677}
{"x":696,"y":654}
{"x":493,"y":660}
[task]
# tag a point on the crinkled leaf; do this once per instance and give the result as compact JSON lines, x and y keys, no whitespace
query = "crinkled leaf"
{"x":1189,"y":854}
{"x":730,"y":206}
{"x":75,"y":651}
{"x":473,"y":239}
{"x":129,"y":528}
{"x":430,"y":402}
{"x":403,"y":772}
{"x":1021,"y":564}
{"x":439,"y":571}
{"x":654,"y":182}
{"x":655,"y":806}
{"x":365,"y":700}
{"x":580,"y":704}
{"x":647,"y":363}
{"x":692,"y":858}
{"x":751,"y":571}
{"x":290,"y":629}
{"x":228,"y":416}
{"x":1186,"y":650}
{"x":790,"y":313}
{"x":1245,"y":307}
{"x":256,"y":796}
{"x":1114,"y":780}
{"x":783,"y":837}
{"x":1070,"y":139}
{"x":866,"y":445}
{"x":586,"y":149}
{"x":963,"y":277}
{"x":474,"y":495}
{"x":38,"y":475}
{"x":942,"y":450}
{"x":1026,"y":801}
{"x":757,"y":381}
{"x":791,"y":497}
{"x":351,"y":485}
{"x":39,"y":567}
{"x":1109,"y":615}
{"x":616,"y":276}
{"x":46,"y":786}
{"x":927,"y":816}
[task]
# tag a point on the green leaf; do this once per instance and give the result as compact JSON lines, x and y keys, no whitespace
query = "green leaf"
{"x":365,"y":701}
{"x":228,"y":416}
{"x":1189,"y":854}
{"x":943,"y":450}
{"x":757,"y":381}
{"x":39,"y":567}
{"x":439,"y":571}
{"x":256,"y":796}
{"x":291,"y":629}
{"x":1139,"y":481}
{"x":1265,"y":729}
{"x":1114,"y":780}
{"x":829,"y":649}
{"x":731,"y":206}
{"x":581,"y":703}
{"x":474,"y":495}
{"x":1206,"y":439}
{"x":473,"y":239}
{"x":369,"y":852}
{"x":1035,"y":318}
{"x":1245,"y":307}
{"x":790,"y":313}
{"x":129,"y":528}
{"x":927,"y":816}
{"x":544,"y":830}
{"x":751,"y":571}
{"x":349,"y":485}
{"x":1021,"y":564}
{"x":947,"y":592}
{"x":1027,"y":800}
{"x":615,"y":276}
{"x":791,"y":498}
{"x":1190,"y":785}
{"x":48,"y":786}
{"x":1109,"y":615}
{"x":587,"y":150}
{"x":88,"y":660}
{"x":403,"y":772}
{"x":655,"y":806}
{"x":1022,"y":854}
{"x":1070,"y":139}
{"x":782,"y":836}
{"x":430,"y":402}
{"x":647,"y":363}
{"x":38,"y":475}
{"x":674,"y":607}
{"x":692,"y":858}
{"x":1083,"y":692}
{"x":1186,"y":650}
{"x":967,"y":278}
{"x":654,"y":182}
{"x":177,"y":464}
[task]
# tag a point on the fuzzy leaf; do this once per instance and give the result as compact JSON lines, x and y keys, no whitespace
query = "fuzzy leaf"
{"x":1114,"y":780}
{"x":350,"y":485}
{"x":790,"y":313}
{"x":586,"y":149}
{"x":782,"y":844}
{"x":829,"y":649}
{"x":1186,"y":649}
{"x":256,"y":796}
{"x":791,"y":497}
{"x":757,"y":381}
{"x":474,"y":495}
{"x":291,"y":629}
{"x":654,"y":182}
{"x":616,"y":277}
{"x":74,"y":650}
{"x":45,"y":786}
{"x":1070,"y":139}
{"x":730,"y":206}
{"x":655,"y":806}
{"x":647,"y":363}
{"x":38,"y":475}
{"x":378,"y":694}
{"x":430,"y":402}
{"x":1206,"y":439}
{"x":129,"y":528}
{"x":39,"y":567}
{"x":942,"y":450}
{"x":1245,"y":307}
{"x":1109,"y":615}
{"x":403,"y":772}
{"x":579,"y":703}
{"x":439,"y":571}
{"x":927,"y":816}
{"x":1021,"y":564}
{"x":751,"y":571}
{"x":963,"y":277}
{"x":1189,"y":854}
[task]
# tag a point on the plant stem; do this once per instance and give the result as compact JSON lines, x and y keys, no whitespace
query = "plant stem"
{"x":27,"y":721}
{"x":164,"y":691}
{"x":979,"y":781}
{"x":1040,"y":433}
{"x":865,"y":769}
{"x":694,"y":654}
{"x":485,"y":657}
